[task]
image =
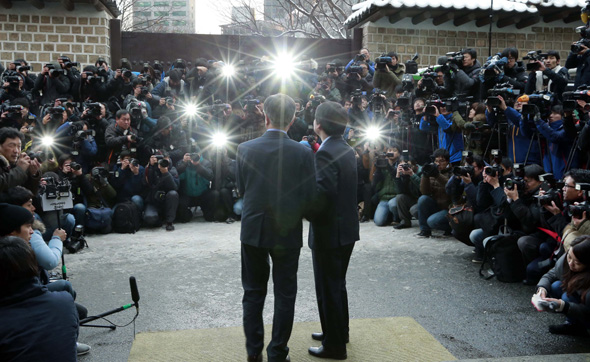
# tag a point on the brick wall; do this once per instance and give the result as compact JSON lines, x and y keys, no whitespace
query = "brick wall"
{"x":41,"y":36}
{"x":432,"y":42}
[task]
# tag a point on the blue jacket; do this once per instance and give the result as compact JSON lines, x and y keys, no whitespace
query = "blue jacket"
{"x":450,"y":136}
{"x":518,"y":137}
{"x":560,"y":144}
{"x":37,"y":325}
{"x":127,"y":184}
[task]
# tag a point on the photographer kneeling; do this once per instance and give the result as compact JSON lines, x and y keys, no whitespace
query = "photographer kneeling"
{"x":385,"y":186}
{"x":434,"y":203}
{"x":162,"y":197}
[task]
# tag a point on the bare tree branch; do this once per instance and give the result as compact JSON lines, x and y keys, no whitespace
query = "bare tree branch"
{"x":299,"y":18}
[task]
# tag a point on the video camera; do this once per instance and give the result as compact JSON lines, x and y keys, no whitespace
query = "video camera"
{"x":570,"y":98}
{"x":537,"y":102}
{"x":382,"y":62}
{"x":94,"y":109}
{"x":534,"y":56}
{"x":493,"y":67}
{"x":505,"y":90}
{"x":357,"y":97}
{"x":13,"y":80}
{"x":53,"y":71}
{"x":455,"y":58}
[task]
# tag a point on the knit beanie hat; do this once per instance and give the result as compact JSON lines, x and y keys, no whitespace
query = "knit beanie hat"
{"x":13,"y":217}
{"x":582,"y":251}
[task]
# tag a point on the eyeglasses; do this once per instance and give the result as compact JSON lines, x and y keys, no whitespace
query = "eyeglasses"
{"x":569,"y":186}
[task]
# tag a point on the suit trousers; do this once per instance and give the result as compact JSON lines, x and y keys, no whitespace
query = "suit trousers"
{"x":255,"y":275}
{"x":329,"y":268}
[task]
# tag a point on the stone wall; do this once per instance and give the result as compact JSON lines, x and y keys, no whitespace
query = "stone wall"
{"x":41,"y":36}
{"x":432,"y":42}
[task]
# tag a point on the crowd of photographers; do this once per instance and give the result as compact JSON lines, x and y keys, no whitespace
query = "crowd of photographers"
{"x":462,"y":147}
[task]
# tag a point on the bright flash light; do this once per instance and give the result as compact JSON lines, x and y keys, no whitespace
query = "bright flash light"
{"x":219,"y":139}
{"x":373,"y":133}
{"x":47,"y":141}
{"x":190,"y":110}
{"x":228,"y":70}
{"x":284,"y":66}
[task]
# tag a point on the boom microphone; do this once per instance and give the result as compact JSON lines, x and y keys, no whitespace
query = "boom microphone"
{"x":134,"y":291}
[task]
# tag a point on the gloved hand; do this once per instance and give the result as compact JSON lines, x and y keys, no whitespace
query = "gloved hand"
{"x":454,"y":67}
{"x":469,"y":126}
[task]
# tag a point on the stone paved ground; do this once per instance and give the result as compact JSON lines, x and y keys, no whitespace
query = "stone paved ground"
{"x":190,"y":279}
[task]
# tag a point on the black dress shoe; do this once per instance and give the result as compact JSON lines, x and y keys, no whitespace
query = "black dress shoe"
{"x":322,"y":352}
{"x":401,"y":225}
{"x":256,"y":358}
{"x":319,"y":336}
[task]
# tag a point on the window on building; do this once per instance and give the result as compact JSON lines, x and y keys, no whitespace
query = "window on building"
{"x":179,"y":4}
{"x":143,"y":4}
{"x":179,"y":23}
{"x":143,"y":14}
{"x":160,"y":13}
{"x":161,"y":4}
{"x":179,"y":13}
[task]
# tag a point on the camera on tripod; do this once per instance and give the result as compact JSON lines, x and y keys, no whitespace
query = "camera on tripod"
{"x":537,"y":102}
{"x":505,"y":90}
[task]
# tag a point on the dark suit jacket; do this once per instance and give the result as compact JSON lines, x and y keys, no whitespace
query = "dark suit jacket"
{"x":276,"y":177}
{"x":335,"y":220}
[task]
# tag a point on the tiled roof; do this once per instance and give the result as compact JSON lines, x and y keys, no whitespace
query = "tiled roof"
{"x":520,"y":6}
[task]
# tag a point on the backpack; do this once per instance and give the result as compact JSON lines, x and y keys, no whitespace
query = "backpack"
{"x":504,"y":257}
{"x":126,"y":218}
{"x":461,"y":221}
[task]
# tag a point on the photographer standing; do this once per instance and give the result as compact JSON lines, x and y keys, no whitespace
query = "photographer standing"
{"x":388,"y":75}
{"x":549,"y":76}
{"x":581,"y":61}
{"x":326,"y":88}
{"x":449,"y":128}
{"x":514,"y":73}
{"x":466,"y":76}
{"x":52,"y":83}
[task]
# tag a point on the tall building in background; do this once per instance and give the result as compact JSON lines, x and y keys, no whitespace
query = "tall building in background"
{"x":273,"y":10}
{"x":164,"y":16}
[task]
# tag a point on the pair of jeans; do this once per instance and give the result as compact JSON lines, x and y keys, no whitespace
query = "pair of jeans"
{"x":430,"y":216}
{"x":384,"y":210}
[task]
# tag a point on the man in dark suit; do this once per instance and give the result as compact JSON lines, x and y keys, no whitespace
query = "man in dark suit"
{"x":334,"y":228}
{"x":275,"y":175}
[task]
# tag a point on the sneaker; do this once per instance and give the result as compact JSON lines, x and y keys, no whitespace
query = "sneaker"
{"x":82,"y":348}
{"x":477,"y":259}
{"x":169,"y":227}
{"x":569,"y":329}
{"x":424,"y":234}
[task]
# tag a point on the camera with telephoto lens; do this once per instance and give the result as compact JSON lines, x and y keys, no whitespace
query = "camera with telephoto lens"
{"x":553,"y":194}
{"x":357,"y":97}
{"x":126,"y":73}
{"x":493,"y":171}
{"x":510,"y":183}
{"x":75,"y":166}
{"x":12,"y":79}
{"x":144,"y":91}
{"x":12,"y":112}
{"x":381,"y":160}
{"x":162,"y":162}
{"x":463,"y":171}
{"x":195,"y":157}
{"x":93,"y":109}
{"x":577,"y":211}
{"x":57,"y":113}
{"x":77,"y":240}
{"x":360,"y":58}
{"x":430,"y":170}
{"x":354,"y":69}
{"x":534,"y":56}
{"x":577,"y":46}
{"x":40,"y":156}
{"x":53,"y":71}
